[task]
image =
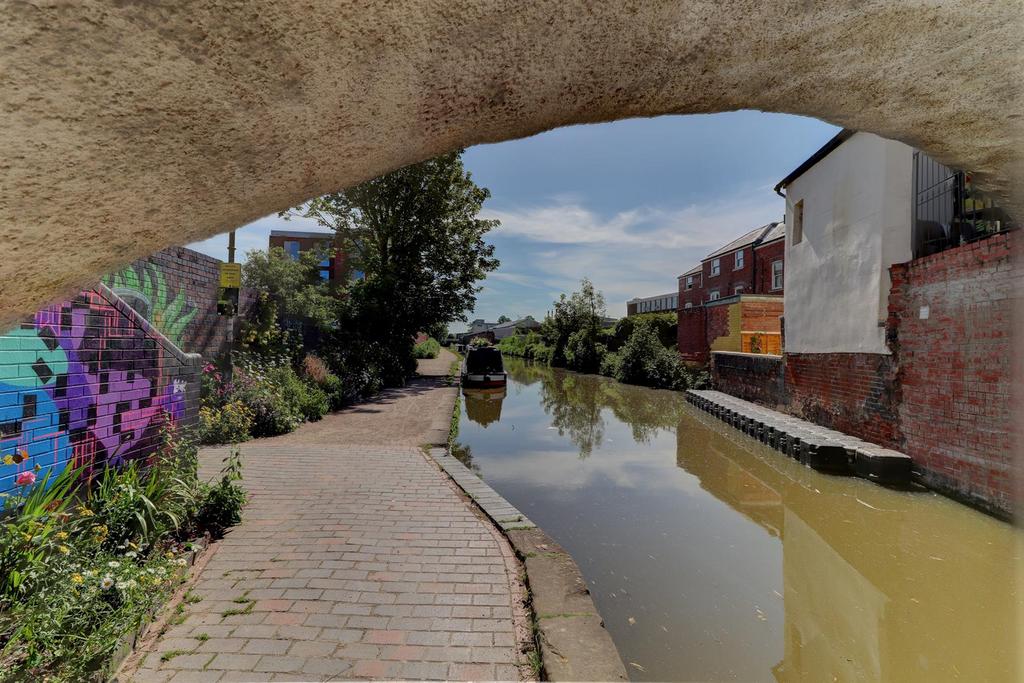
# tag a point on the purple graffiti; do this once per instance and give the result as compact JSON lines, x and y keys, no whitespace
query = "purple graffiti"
{"x":112,"y":400}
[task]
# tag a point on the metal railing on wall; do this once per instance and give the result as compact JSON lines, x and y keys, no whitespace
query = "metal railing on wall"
{"x":949,"y":210}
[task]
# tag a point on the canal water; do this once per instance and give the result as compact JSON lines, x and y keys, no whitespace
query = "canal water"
{"x":711,"y":557}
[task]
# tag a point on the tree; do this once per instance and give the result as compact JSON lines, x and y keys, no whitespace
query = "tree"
{"x":417,"y":236}
{"x":504,"y":319}
{"x":579,"y":316}
{"x":293,"y":286}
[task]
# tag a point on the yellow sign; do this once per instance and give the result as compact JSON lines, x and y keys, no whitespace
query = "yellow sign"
{"x":231,"y":275}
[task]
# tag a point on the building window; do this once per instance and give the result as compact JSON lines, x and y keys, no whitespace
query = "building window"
{"x":292,"y":249}
{"x":739,"y":260}
{"x":713,"y":295}
{"x":777,"y":274}
{"x":798,"y":222}
{"x":688,"y":305}
{"x":689,"y":281}
{"x":738,"y":289}
{"x":716,"y":266}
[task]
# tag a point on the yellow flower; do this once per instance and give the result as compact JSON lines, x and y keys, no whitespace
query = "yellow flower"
{"x":169,"y":555}
{"x":8,"y":460}
{"x":84,"y":511}
{"x":64,"y":550}
{"x":62,"y":535}
{"x":77,"y":578}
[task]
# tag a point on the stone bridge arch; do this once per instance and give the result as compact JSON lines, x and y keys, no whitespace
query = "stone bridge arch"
{"x":131,"y":126}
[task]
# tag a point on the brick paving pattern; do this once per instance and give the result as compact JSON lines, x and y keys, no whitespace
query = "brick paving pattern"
{"x":352,"y":561}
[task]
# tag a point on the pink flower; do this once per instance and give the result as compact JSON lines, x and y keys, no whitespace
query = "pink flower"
{"x":209,"y":367}
{"x":25,"y":479}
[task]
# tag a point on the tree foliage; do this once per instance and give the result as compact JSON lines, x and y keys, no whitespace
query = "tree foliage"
{"x":417,"y":236}
{"x":572,"y":328}
{"x":293,"y":286}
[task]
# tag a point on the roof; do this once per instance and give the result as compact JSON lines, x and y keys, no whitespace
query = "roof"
{"x":745,"y":240}
{"x":301,"y":233}
{"x":693,"y":271}
{"x":826,"y":149}
{"x":525,"y":320}
{"x":776,"y":233}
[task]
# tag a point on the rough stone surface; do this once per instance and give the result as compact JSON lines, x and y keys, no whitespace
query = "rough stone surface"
{"x":129,"y":127}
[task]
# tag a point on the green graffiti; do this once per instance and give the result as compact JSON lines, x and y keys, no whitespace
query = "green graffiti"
{"x":145,"y":289}
{"x":31,"y":358}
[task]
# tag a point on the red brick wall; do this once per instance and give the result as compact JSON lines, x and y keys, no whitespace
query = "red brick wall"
{"x":757,"y":378}
{"x":177,"y":290}
{"x":694,"y":296}
{"x":728,"y":278}
{"x":691,"y":340}
{"x":773,"y":251}
{"x":854,"y":393}
{"x":955,"y":369}
{"x":944,"y":397}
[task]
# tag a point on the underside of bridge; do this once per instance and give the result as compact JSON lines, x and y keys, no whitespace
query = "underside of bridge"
{"x":130,"y":126}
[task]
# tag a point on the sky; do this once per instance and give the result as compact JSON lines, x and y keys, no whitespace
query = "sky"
{"x":630,"y":204}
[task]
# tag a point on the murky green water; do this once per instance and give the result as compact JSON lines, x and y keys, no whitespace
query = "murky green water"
{"x":711,"y":557}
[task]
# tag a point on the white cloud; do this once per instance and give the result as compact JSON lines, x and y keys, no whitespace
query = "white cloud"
{"x":706,"y":225}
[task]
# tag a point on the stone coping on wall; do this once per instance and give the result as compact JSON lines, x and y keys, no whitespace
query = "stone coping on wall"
{"x":573,"y":642}
{"x":772,"y":356}
{"x":125,"y":309}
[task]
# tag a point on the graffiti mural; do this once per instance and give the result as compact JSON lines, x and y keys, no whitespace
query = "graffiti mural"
{"x":85,"y":385}
{"x":145,"y":288}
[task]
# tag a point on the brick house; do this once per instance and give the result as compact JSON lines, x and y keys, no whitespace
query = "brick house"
{"x":732,"y":300}
{"x":900,"y":286}
{"x":295,"y":242}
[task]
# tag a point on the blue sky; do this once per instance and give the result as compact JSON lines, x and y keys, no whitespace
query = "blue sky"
{"x":630,"y":204}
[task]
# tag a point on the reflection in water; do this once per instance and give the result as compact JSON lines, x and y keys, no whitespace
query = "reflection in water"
{"x":711,"y":557}
{"x":483,"y":406}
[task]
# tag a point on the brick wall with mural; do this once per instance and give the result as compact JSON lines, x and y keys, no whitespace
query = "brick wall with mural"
{"x":951,"y":316}
{"x":89,"y":381}
{"x":177,"y":290}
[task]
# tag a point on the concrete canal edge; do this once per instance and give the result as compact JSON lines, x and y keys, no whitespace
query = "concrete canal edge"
{"x":574,"y":644}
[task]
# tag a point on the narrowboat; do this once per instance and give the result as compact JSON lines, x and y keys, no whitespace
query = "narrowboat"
{"x":483,"y":367}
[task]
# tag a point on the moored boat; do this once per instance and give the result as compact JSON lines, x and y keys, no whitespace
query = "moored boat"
{"x":483,"y":367}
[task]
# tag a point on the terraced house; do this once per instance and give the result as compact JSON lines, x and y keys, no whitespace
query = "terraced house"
{"x":732,"y":301}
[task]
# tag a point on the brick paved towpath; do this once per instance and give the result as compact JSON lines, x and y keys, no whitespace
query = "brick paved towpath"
{"x":356,"y":558}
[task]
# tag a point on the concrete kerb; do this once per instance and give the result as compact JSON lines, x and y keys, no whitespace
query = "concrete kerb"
{"x":573,"y":642}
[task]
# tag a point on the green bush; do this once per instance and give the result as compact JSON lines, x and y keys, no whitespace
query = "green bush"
{"x":611,"y":364}
{"x":229,"y":423}
{"x":223,"y":501}
{"x":583,"y":352}
{"x":79,"y":576}
{"x":664,"y":326}
{"x":644,"y":360}
{"x":427,"y":349}
{"x":530,"y":345}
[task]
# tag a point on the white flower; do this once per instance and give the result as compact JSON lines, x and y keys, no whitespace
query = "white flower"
{"x":180,"y":562}
{"x":149,"y":570}
{"x":113,"y":564}
{"x":160,"y":571}
{"x":121,"y":585}
{"x":131,"y":553}
{"x":90,"y":573}
{"x":106,"y":582}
